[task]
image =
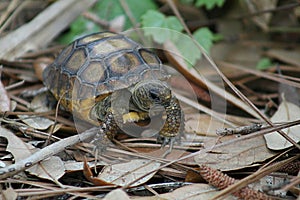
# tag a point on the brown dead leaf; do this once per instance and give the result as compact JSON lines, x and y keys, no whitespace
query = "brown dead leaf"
{"x":256,"y":6}
{"x":190,"y":192}
{"x":51,"y":169}
{"x":39,"y":65}
{"x":124,"y":173}
{"x":116,"y":194}
{"x":4,"y":99}
{"x":203,"y":124}
{"x":38,"y":104}
{"x":9,"y":194}
{"x":89,"y":176}
{"x":286,"y":112}
{"x":242,"y":154}
{"x":288,"y":56}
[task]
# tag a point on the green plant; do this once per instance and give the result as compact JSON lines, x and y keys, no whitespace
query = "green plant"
{"x":184,"y":44}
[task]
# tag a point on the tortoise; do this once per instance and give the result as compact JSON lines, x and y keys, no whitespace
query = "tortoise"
{"x":96,"y":69}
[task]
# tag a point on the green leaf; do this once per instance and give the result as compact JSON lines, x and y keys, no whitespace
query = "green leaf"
{"x":205,"y":38}
{"x":172,"y":31}
{"x":110,"y":9}
{"x":263,"y":64}
{"x":79,"y":27}
{"x":209,"y":4}
{"x":189,"y":50}
{"x":153,"y":18}
{"x":107,"y":10}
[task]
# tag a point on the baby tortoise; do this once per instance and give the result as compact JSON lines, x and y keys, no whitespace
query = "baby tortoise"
{"x":94,"y":70}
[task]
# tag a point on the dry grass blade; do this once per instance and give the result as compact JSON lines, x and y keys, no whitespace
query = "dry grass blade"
{"x":4,"y":99}
{"x":4,"y":17}
{"x":42,"y":29}
{"x":261,"y":74}
{"x":198,"y":106}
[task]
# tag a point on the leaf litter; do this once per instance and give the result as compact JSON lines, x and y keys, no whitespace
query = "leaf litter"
{"x":141,"y":158}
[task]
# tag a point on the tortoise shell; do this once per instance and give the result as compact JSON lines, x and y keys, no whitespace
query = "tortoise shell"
{"x":94,"y":66}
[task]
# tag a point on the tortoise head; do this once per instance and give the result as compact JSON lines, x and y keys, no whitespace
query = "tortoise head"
{"x":149,"y":93}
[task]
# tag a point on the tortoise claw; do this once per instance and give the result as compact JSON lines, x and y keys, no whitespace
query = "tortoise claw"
{"x":166,"y":141}
{"x":101,"y":142}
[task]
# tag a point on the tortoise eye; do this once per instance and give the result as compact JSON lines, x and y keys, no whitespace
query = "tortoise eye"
{"x":154,"y":94}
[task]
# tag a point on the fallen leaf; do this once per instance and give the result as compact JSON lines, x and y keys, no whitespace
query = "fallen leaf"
{"x":9,"y":193}
{"x":40,"y":103}
{"x":287,"y":56}
{"x":125,"y":173}
{"x":257,"y":6}
{"x":72,"y":165}
{"x":39,"y":123}
{"x":235,"y":156}
{"x":87,"y":172}
{"x":4,"y":99}
{"x":286,"y":112}
{"x":203,"y":124}
{"x":51,"y":169}
{"x":190,"y":192}
{"x":116,"y":194}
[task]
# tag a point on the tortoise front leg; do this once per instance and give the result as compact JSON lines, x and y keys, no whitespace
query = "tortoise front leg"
{"x":174,"y":124}
{"x":107,"y":131}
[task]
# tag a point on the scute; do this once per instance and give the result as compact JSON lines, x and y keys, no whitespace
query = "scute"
{"x":75,"y":61}
{"x":120,"y":63}
{"x":149,"y":57}
{"x":64,"y":54}
{"x":105,"y":47}
{"x":94,"y":73}
{"x":94,"y":37}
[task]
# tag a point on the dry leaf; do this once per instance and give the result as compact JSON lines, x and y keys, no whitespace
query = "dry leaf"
{"x":116,"y":194}
{"x":125,"y":173}
{"x":16,"y":146}
{"x":87,"y":172}
{"x":4,"y":99}
{"x":9,"y":194}
{"x":117,"y":24}
{"x":286,"y":112}
{"x":256,"y":6}
{"x":40,"y":103}
{"x":72,"y":165}
{"x":203,"y":124}
{"x":190,"y":192}
{"x":39,"y":123}
{"x":51,"y":169}
{"x":236,"y":156}
{"x":288,"y":56}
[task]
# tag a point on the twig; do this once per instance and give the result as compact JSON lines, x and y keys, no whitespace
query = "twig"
{"x":46,"y":153}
